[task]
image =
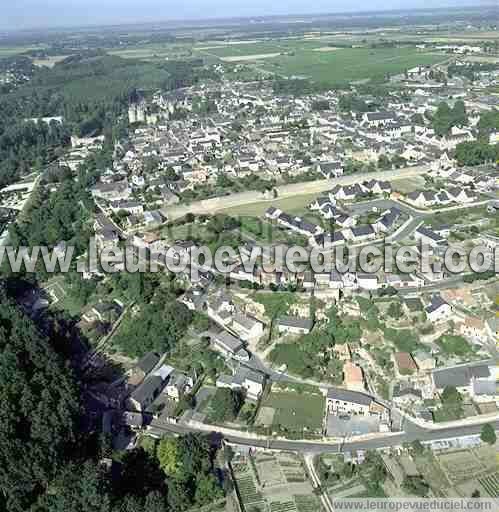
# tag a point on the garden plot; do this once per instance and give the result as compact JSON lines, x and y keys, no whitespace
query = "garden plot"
{"x":491,"y":484}
{"x":269,"y":472}
{"x":459,"y":465}
{"x":292,"y":467}
{"x":275,"y":482}
{"x":252,"y":499}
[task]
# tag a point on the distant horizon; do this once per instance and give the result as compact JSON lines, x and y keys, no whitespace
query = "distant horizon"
{"x":185,"y":19}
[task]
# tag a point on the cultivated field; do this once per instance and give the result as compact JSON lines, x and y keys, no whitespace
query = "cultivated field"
{"x":269,"y":482}
{"x":349,"y":64}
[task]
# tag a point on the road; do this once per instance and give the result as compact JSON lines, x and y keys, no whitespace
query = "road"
{"x":215,"y":204}
{"x":413,"y":433}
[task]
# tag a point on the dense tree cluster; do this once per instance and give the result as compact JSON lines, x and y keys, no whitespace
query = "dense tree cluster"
{"x":226,"y":405}
{"x":476,"y":153}
{"x":352,"y":103}
{"x":488,"y":123}
{"x":50,"y":462}
{"x":189,"y":465}
{"x":40,"y":407}
{"x":27,"y":146}
{"x":488,"y":434}
{"x":155,"y":326}
{"x":445,"y":117}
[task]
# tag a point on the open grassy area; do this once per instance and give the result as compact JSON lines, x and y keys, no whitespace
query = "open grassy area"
{"x":407,"y":185}
{"x":15,"y":50}
{"x":297,"y":205}
{"x":296,"y":411}
{"x":321,"y":61}
{"x":349,"y":64}
{"x":459,"y":216}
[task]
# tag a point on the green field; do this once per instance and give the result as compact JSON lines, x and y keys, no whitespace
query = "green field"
{"x":14,"y":50}
{"x":297,"y":205}
{"x":155,"y":51}
{"x":320,"y":62}
{"x":296,"y":411}
{"x":349,"y":64}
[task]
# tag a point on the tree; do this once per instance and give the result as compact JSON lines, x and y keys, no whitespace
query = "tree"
{"x":207,"y":490}
{"x":40,"y":408}
{"x":395,"y":310}
{"x":79,"y":489}
{"x":169,"y":457}
{"x":226,"y":404}
{"x":384,"y":162}
{"x":416,"y":485}
{"x":445,"y":117}
{"x":488,"y":434}
{"x":141,"y":474}
{"x":476,"y":153}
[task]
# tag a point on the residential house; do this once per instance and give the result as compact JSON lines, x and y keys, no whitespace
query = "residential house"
{"x":429,"y":237}
{"x":346,"y":402}
{"x":252,"y":382}
{"x":143,"y":397}
{"x":367,"y":281}
{"x":247,"y":327}
{"x":464,"y":376}
{"x":438,"y":310}
{"x":404,"y":395}
{"x":178,"y":384}
{"x":294,"y":325}
{"x":377,"y":119}
{"x":229,"y":345}
{"x":115,"y":191}
{"x":422,"y":199}
{"x":362,"y":233}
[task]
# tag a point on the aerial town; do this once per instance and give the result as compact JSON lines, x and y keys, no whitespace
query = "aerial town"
{"x":302,"y":386}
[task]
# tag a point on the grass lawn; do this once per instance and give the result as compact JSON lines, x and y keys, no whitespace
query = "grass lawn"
{"x":295,"y":411}
{"x":349,"y":64}
{"x":297,"y":205}
{"x":407,"y":185}
{"x":454,"y":345}
{"x":264,"y":232}
{"x":275,"y":304}
{"x":459,"y":216}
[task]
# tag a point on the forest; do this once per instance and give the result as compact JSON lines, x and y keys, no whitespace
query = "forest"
{"x":50,"y":453}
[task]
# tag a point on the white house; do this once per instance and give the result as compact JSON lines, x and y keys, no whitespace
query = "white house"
{"x":247,"y":327}
{"x":250,"y":381}
{"x":294,"y":325}
{"x":438,"y":310}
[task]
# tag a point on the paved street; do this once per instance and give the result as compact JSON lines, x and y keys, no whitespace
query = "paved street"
{"x":412,"y":433}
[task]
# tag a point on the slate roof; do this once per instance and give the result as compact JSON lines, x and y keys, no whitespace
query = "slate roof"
{"x":461,"y":375}
{"x":436,"y":303}
{"x":297,"y":322}
{"x":346,"y":395}
{"x":148,"y":362}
